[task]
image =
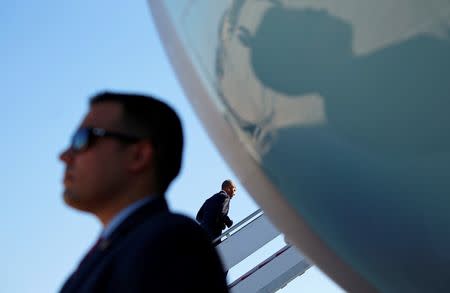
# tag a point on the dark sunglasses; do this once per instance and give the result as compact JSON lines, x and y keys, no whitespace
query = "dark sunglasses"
{"x":84,"y":137}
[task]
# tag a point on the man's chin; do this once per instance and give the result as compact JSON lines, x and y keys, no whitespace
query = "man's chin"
{"x":73,"y":201}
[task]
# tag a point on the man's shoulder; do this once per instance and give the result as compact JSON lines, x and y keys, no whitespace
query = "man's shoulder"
{"x":160,"y":235}
{"x":161,"y":244}
{"x":166,"y":223}
{"x":220,"y":195}
{"x":176,"y":220}
{"x":167,"y":235}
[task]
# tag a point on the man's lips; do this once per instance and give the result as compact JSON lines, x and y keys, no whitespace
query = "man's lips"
{"x":67,"y":178}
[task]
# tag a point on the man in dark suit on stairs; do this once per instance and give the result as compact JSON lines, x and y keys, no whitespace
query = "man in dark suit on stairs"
{"x":121,"y":160}
{"x":213,"y":214}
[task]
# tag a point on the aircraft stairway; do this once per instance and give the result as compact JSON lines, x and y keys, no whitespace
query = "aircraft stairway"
{"x":245,"y":238}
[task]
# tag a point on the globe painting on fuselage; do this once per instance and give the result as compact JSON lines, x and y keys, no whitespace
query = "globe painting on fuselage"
{"x":346,"y":107}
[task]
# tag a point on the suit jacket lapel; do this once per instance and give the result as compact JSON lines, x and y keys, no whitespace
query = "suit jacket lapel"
{"x":154,"y":206}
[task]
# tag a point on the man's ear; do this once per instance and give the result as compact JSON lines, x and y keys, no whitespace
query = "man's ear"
{"x":141,"y":156}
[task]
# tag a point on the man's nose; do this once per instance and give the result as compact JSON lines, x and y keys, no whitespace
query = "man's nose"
{"x":67,"y":155}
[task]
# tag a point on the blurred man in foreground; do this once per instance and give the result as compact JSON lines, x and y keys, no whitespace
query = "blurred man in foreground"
{"x":121,"y":160}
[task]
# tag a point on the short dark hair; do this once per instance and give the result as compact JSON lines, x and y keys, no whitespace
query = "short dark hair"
{"x":148,"y":117}
{"x":227,"y":183}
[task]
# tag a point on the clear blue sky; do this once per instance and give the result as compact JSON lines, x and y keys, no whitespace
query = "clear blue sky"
{"x":54,"y":55}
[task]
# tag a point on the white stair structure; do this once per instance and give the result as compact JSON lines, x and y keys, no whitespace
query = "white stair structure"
{"x":245,"y":238}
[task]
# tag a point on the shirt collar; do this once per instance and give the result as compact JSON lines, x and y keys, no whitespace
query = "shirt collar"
{"x":122,"y":215}
{"x":225,"y":193}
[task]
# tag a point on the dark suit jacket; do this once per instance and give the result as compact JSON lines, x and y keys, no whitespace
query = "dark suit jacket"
{"x":213,"y":215}
{"x":153,"y":250}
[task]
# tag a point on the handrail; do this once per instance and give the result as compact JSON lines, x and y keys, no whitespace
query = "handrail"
{"x":238,"y":226}
{"x":273,"y":273}
{"x":259,"y":266}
